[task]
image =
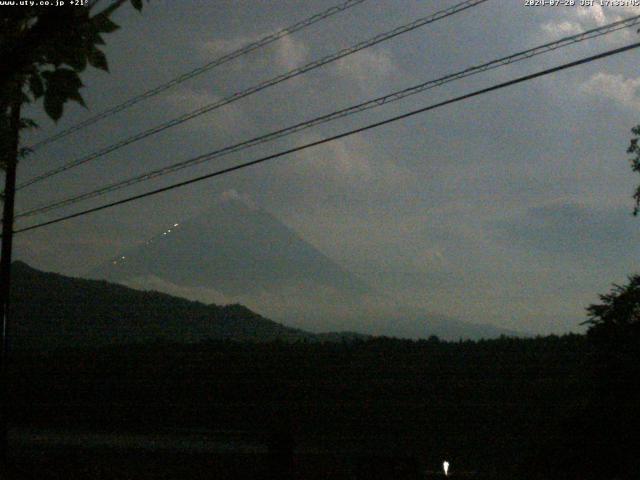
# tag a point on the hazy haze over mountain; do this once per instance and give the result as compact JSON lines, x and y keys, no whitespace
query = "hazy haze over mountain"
{"x":237,"y":252}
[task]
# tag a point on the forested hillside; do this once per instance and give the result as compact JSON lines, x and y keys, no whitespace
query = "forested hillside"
{"x":53,"y":311}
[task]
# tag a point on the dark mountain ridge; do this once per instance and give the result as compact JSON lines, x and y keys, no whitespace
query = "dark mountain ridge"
{"x":52,"y":311}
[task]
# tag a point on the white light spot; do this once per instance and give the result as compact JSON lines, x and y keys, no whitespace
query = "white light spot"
{"x":123,"y":257}
{"x":176,"y":224}
{"x":445,"y":467}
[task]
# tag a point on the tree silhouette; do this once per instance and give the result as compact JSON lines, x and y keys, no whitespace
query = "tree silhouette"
{"x":43,"y":51}
{"x":634,"y":148}
{"x":614,"y":335}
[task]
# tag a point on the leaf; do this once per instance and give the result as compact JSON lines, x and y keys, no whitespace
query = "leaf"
{"x":63,"y":85}
{"x":96,"y":39}
{"x":64,"y":79}
{"x":35,"y":85}
{"x":102,"y":23}
{"x":98,"y":60}
{"x":53,"y":106}
{"x":27,"y":123}
{"x":76,"y":97}
{"x":24,"y":151}
{"x":76,"y":58}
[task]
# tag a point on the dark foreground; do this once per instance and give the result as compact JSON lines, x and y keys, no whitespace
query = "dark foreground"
{"x":389,"y":409}
{"x":111,"y":464}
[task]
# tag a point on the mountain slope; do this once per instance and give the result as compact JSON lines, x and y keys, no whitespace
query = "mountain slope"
{"x":235,"y":249}
{"x":51,"y":310}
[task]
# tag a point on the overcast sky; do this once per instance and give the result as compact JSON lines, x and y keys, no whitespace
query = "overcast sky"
{"x":513,"y":208}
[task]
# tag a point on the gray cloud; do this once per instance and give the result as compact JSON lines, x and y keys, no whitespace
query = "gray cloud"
{"x":511,"y":209}
{"x":573,"y":232}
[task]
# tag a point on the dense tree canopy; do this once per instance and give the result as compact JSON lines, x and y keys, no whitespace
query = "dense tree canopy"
{"x":612,"y":421}
{"x":615,"y":322}
{"x":44,"y":49}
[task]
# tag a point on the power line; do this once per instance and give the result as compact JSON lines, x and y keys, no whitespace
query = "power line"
{"x":257,"y":88}
{"x":224,"y":171}
{"x":197,"y":71}
{"x":395,"y":96}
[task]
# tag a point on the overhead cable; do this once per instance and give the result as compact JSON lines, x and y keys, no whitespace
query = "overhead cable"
{"x":370,"y":104}
{"x":306,"y":146}
{"x":255,"y":89}
{"x":250,"y":47}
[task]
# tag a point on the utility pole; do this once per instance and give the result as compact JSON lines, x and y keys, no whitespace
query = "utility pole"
{"x":11,"y":154}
